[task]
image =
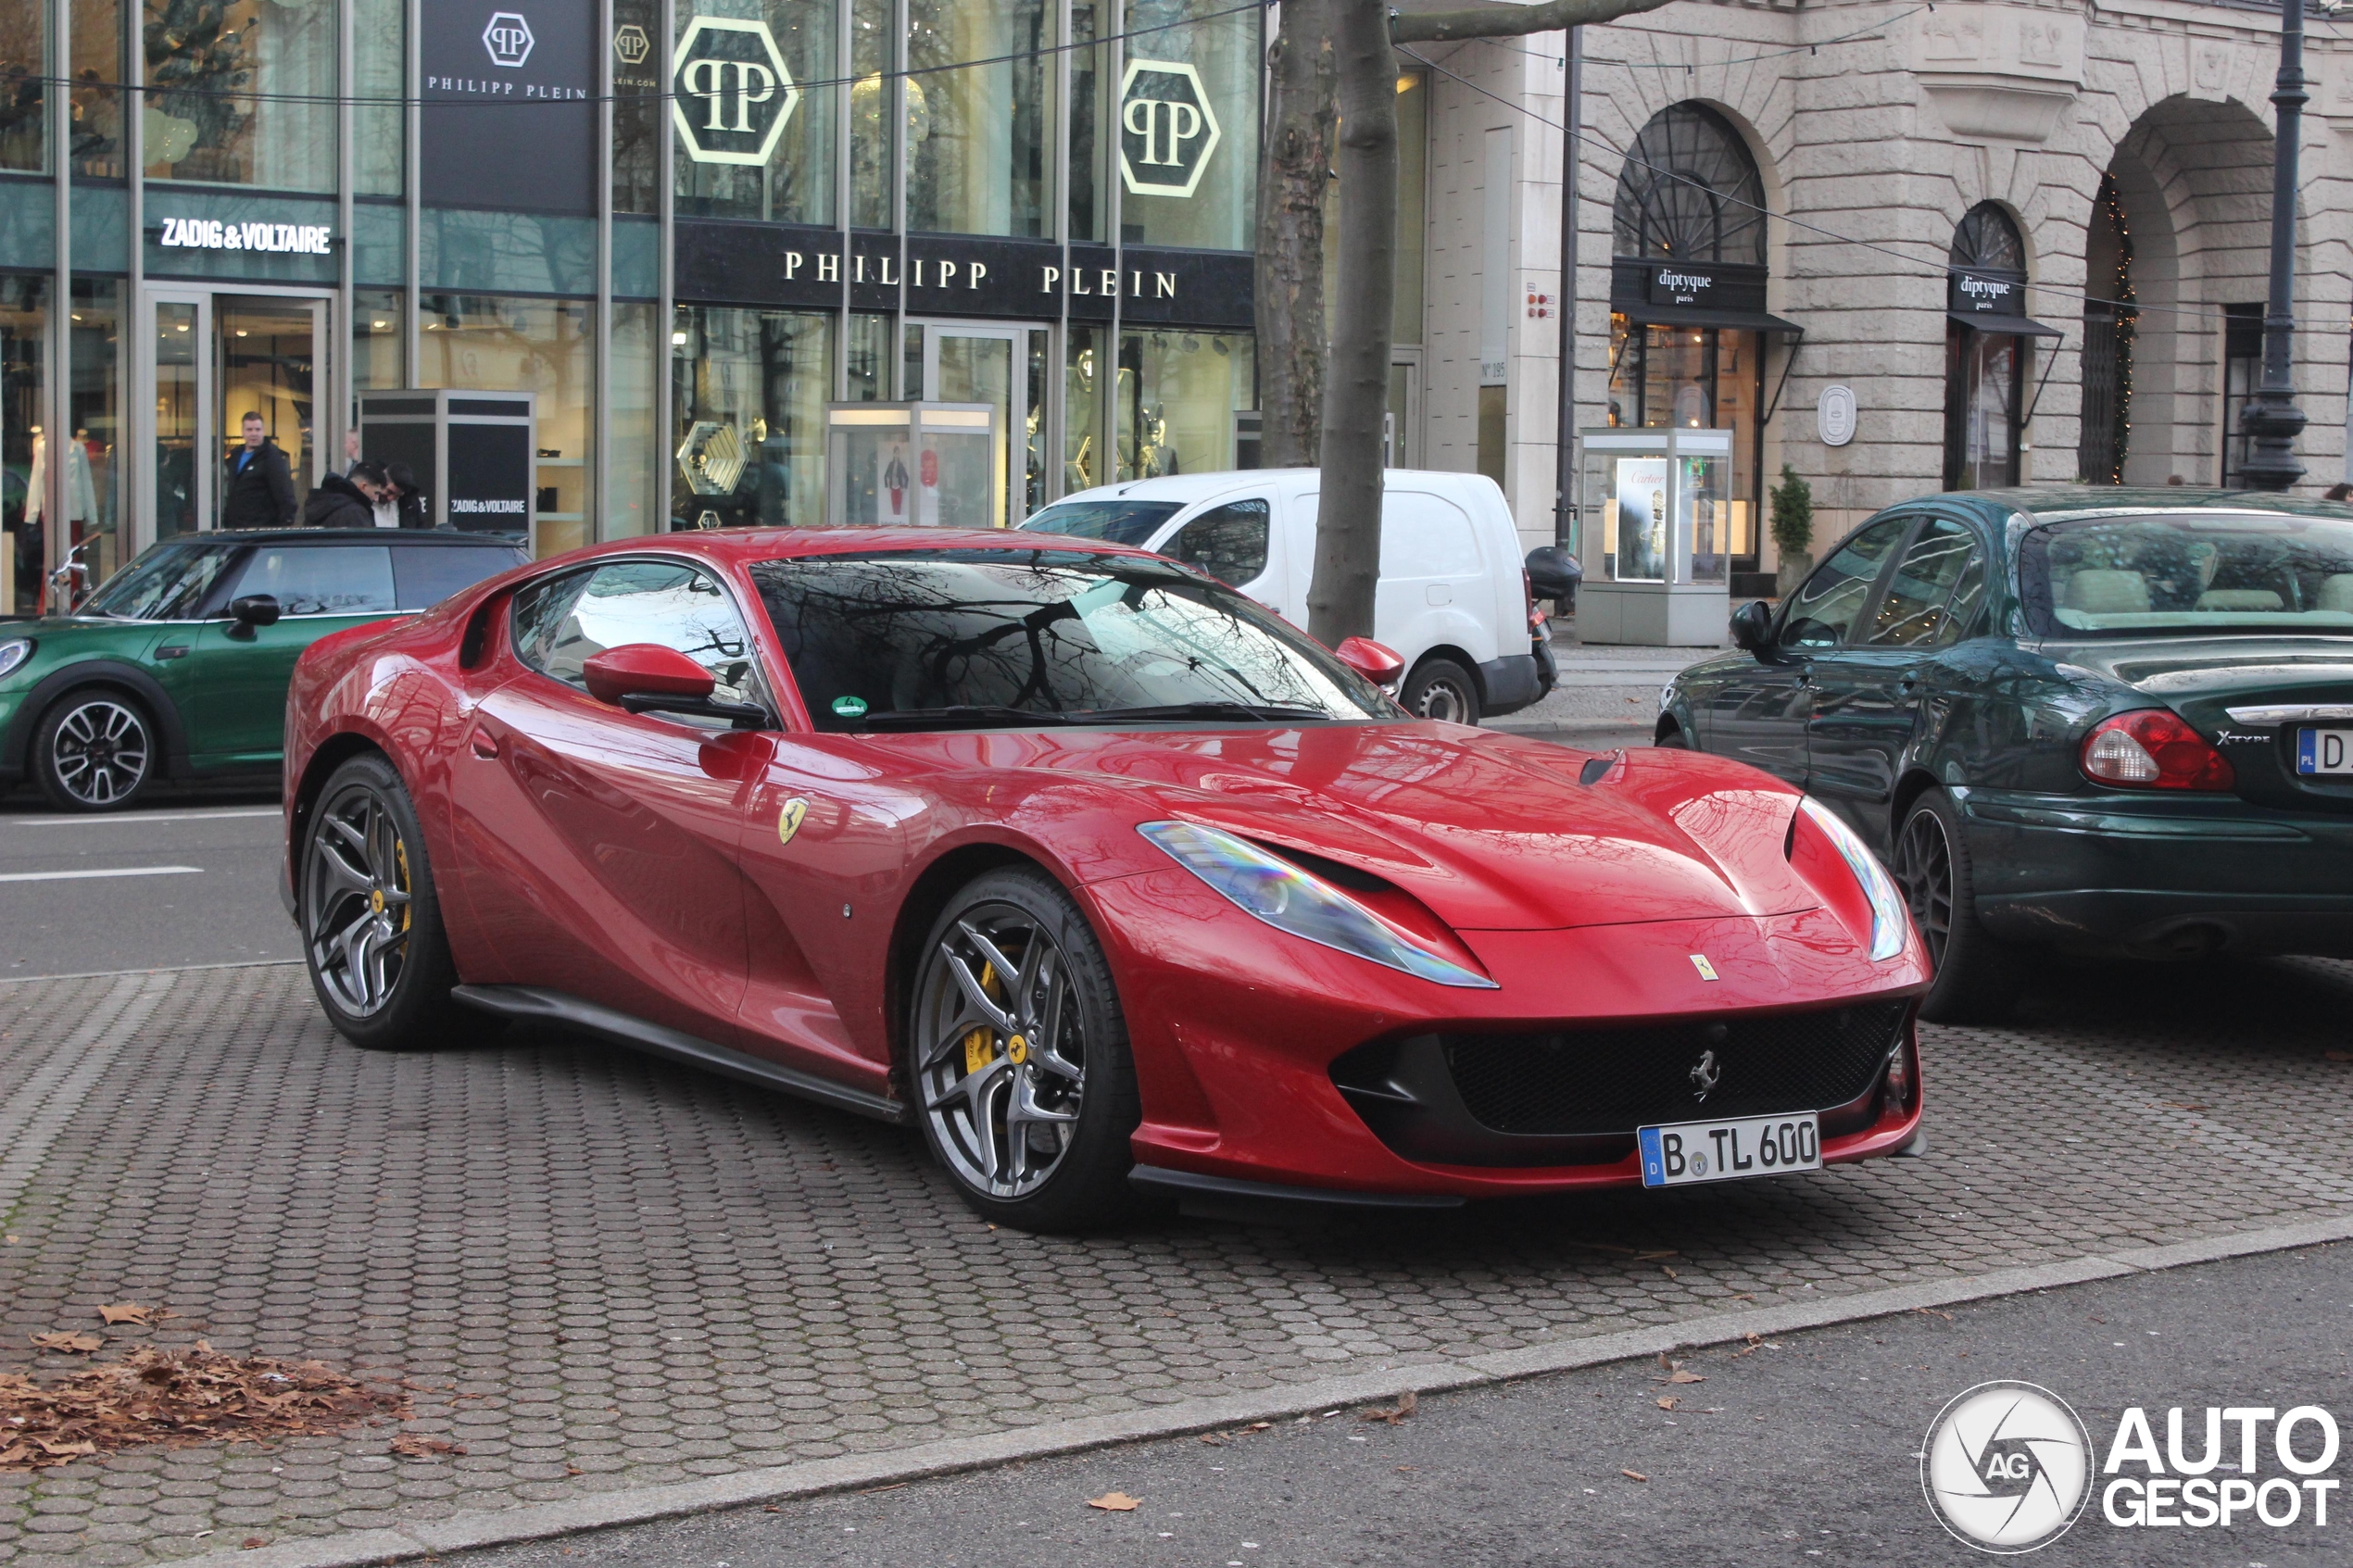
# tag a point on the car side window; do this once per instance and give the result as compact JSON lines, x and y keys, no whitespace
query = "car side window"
{"x":322,"y":579}
{"x":1922,"y":607}
{"x":1227,"y":541}
{"x":1824,"y":609}
{"x":561,"y":623}
{"x":426,"y":574}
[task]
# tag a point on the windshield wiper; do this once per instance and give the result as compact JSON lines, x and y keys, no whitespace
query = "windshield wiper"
{"x":959,"y":717}
{"x":1265,"y":711}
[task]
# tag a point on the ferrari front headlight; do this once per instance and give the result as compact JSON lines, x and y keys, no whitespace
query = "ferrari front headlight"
{"x":1890,"y":924}
{"x":1270,"y":888}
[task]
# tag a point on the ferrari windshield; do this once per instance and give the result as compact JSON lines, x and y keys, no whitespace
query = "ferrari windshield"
{"x":2188,"y":572}
{"x":1018,"y":639}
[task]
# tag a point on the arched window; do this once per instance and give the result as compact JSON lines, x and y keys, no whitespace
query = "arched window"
{"x":1689,"y":190}
{"x":1988,"y":343}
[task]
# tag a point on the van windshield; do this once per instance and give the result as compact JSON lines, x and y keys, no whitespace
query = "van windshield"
{"x":1120,"y":523}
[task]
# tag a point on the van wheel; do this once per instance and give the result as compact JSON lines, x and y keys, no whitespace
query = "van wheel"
{"x":1439,"y":688}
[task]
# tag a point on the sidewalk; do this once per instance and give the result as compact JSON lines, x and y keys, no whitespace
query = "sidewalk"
{"x":1608,"y":692}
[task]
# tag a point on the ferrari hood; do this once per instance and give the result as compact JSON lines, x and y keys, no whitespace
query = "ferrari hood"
{"x":1488,"y":831}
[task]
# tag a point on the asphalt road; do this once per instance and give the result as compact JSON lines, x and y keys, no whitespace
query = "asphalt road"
{"x":189,"y":879}
{"x":1802,"y":1451}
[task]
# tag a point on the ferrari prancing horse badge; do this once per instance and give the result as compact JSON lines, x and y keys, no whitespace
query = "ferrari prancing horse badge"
{"x":789,"y":818}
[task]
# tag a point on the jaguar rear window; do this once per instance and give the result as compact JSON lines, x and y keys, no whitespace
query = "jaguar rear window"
{"x":2200,"y":572}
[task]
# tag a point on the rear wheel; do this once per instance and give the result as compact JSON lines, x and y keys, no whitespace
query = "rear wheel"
{"x":370,"y":916}
{"x":1018,"y":1052}
{"x":1672,"y":737}
{"x":95,"y":751}
{"x":1976,"y":975}
{"x":1439,"y":688}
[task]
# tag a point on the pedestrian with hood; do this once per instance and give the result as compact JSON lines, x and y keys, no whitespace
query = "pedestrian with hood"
{"x":347,"y":501}
{"x":260,"y":490}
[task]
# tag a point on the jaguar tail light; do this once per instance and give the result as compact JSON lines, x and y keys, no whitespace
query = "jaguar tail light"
{"x":2154,"y":748}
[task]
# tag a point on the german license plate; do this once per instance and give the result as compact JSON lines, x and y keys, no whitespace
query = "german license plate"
{"x":2324,"y":751}
{"x":1727,"y":1152}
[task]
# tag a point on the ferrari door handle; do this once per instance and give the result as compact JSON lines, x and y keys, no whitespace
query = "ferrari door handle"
{"x":486,"y":745}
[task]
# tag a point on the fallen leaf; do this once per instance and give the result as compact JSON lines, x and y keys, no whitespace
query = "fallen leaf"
{"x":571,"y":1470}
{"x":72,"y":1343}
{"x":1679,"y":1375}
{"x":1114,"y":1502}
{"x":1668,"y":1401}
{"x":1668,"y":1272}
{"x":416,"y":1445}
{"x":1663,"y":1364}
{"x":1259,"y":1425}
{"x":1634,"y":1475}
{"x":128,"y":1311}
{"x":66,"y":1450}
{"x":891,"y":1486}
{"x":1403,"y":1408}
{"x":1217,"y":1439}
{"x":1933,"y":1312}
{"x":253,"y":1542}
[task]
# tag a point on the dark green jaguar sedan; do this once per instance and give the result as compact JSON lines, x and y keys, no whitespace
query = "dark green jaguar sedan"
{"x":2104,"y":721}
{"x":177,"y":667}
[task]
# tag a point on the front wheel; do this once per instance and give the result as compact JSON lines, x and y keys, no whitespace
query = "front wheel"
{"x":1977,"y":975}
{"x":371,"y":916}
{"x":95,"y":751}
{"x":1439,"y":688}
{"x":1017,"y":1049}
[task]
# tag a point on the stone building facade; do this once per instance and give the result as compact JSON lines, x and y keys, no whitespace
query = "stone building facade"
{"x":2100,"y":168}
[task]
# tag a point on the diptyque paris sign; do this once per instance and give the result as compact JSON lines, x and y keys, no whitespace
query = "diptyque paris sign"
{"x":1167,"y":132}
{"x":732,"y":94}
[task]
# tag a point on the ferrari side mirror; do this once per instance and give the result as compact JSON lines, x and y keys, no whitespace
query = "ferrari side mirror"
{"x":1753,"y":627}
{"x":649,"y":678}
{"x":1377,"y":663}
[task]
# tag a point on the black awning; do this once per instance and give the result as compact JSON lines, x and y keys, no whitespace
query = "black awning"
{"x":2013,"y":326}
{"x":1668,"y":316}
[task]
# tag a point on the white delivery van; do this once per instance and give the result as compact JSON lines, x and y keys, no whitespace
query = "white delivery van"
{"x":1452,"y":600}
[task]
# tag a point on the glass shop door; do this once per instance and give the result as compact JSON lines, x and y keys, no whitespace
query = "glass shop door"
{"x":1005,"y":367}
{"x":213,"y":355}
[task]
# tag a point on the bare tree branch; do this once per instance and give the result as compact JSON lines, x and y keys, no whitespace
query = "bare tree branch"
{"x":1511,"y":21}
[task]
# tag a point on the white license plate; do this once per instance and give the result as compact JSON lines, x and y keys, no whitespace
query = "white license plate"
{"x":2324,"y":751}
{"x":1727,"y":1152}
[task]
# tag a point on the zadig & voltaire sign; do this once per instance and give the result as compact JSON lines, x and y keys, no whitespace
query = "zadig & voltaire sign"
{"x":211,"y":233}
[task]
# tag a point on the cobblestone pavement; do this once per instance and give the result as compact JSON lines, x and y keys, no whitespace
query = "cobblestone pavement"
{"x":605,"y":1271}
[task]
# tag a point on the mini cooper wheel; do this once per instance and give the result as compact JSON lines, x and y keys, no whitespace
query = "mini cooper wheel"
{"x":95,"y":751}
{"x":1018,"y":1053}
{"x":1976,"y":975}
{"x":1439,"y":688}
{"x":370,"y":919}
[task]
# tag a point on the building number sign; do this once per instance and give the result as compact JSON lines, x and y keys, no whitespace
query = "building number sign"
{"x":732,"y":93}
{"x":1167,"y":132}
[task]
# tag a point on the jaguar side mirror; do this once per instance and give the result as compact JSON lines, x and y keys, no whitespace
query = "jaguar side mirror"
{"x":1753,"y":628}
{"x":1377,"y":662}
{"x":252,"y":611}
{"x":649,"y":678}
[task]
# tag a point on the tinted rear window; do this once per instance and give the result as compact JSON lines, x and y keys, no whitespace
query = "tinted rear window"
{"x":1122,"y":522}
{"x":423,"y":575}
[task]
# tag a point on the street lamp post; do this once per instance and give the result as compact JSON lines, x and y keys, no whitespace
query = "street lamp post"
{"x":2272,"y":420}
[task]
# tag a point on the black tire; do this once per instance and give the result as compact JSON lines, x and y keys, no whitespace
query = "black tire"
{"x":1049,"y":1047}
{"x":97,"y":750}
{"x":370,"y":916}
{"x":1977,"y":976}
{"x":1673,"y":738}
{"x":1439,"y":688}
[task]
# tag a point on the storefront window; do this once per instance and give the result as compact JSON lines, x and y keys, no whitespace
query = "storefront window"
{"x":380,"y":131}
{"x":1083,"y":466}
{"x":1178,"y":392}
{"x":247,"y":93}
{"x":633,"y":468}
{"x":23,"y":412}
{"x":1191,"y":178}
{"x":730,"y":104}
{"x":1984,"y":366}
{"x":748,"y":389}
{"x":93,"y":506}
{"x":2242,"y":370}
{"x":23,"y":62}
{"x":1090,"y":105}
{"x":977,"y":152}
{"x":490,"y":343}
{"x":871,"y":149}
{"x":869,"y":358}
{"x":376,"y":340}
{"x":638,"y":107}
{"x":96,"y":111}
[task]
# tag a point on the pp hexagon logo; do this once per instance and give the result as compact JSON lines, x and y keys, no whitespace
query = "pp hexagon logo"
{"x":508,"y":37}
{"x":732,"y":93}
{"x":630,"y":42}
{"x":1168,"y":130}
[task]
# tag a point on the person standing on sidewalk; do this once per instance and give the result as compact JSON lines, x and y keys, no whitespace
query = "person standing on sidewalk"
{"x":258,"y":491}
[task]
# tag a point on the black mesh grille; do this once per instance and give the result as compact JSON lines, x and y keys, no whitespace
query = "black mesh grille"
{"x":1615,"y":1080}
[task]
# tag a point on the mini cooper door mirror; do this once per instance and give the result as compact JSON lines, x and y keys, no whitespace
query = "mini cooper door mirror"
{"x":1753,"y":627}
{"x":651,"y":678}
{"x":252,"y":611}
{"x":1377,"y":662}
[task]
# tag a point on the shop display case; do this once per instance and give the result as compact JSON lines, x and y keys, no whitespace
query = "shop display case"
{"x":475,"y":455}
{"x":1658,"y":533}
{"x":933,"y":465}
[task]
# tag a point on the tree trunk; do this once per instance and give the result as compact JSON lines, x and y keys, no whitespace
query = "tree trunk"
{"x":1340,"y":596}
{"x":1290,"y":299}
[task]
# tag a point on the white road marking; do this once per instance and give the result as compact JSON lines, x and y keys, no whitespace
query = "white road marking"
{"x":120,"y":871}
{"x":102,"y":818}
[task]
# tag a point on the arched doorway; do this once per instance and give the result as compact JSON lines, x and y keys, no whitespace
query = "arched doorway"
{"x":1687,"y":323}
{"x":2108,"y":317}
{"x":1989,"y":343}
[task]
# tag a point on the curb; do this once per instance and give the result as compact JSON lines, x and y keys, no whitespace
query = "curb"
{"x":491,"y":1527}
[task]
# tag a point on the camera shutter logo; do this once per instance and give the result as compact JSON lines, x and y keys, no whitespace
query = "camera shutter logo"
{"x":1167,"y":132}
{"x":508,"y":37}
{"x":732,"y":94}
{"x":2006,"y":1467}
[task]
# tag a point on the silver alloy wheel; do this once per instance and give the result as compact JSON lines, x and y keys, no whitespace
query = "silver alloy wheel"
{"x":1000,"y":1051}
{"x":356,"y":899}
{"x":100,"y":752}
{"x":1445,"y":698}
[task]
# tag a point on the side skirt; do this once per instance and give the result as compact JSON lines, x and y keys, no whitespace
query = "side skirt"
{"x":572,"y":1012}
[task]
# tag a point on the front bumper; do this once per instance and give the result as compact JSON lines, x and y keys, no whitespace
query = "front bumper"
{"x":1235,"y":1028}
{"x":2160,"y":876}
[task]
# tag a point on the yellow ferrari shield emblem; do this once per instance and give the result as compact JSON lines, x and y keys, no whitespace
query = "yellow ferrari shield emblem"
{"x":789,"y":818}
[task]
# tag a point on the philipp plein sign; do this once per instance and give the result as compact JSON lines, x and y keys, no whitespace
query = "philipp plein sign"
{"x":732,"y":93}
{"x":510,"y":120}
{"x":1168,"y":130}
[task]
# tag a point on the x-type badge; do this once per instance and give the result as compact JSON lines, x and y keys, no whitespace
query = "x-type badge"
{"x":1706,"y":970}
{"x":789,"y":818}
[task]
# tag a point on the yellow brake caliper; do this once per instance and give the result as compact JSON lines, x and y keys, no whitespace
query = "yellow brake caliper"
{"x":980,"y":1045}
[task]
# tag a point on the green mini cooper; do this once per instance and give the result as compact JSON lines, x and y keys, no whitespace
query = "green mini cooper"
{"x":177,"y":667}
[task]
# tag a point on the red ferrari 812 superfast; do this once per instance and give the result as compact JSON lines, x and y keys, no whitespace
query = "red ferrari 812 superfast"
{"x":1108,"y":879}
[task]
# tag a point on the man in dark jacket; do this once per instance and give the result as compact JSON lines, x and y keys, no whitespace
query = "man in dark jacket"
{"x":260,"y":491}
{"x":341,"y":502}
